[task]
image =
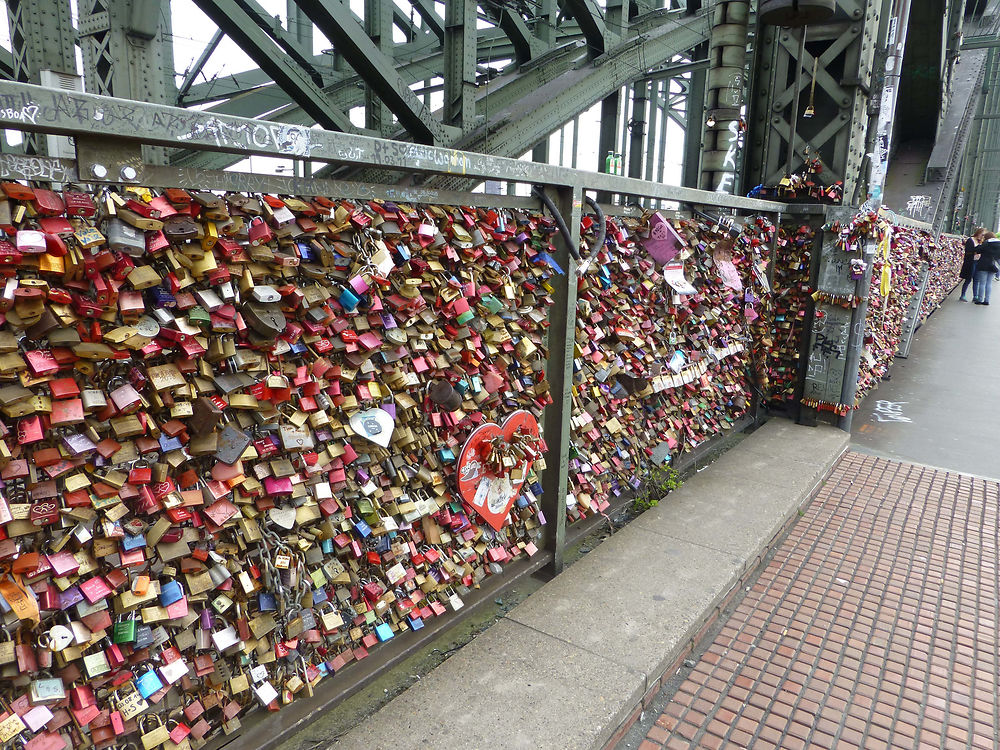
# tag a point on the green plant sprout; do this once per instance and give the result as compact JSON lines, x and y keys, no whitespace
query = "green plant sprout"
{"x":658,"y":482}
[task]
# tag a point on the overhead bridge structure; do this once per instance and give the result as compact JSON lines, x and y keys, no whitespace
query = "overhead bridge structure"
{"x":888,"y":96}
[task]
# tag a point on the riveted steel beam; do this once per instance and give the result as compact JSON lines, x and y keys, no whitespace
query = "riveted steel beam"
{"x":378,"y":26}
{"x":341,"y":27}
{"x":199,"y":65}
{"x":986,"y":41}
{"x":843,"y":51}
{"x":74,"y":113}
{"x":238,"y":19}
{"x":513,"y":130}
{"x":460,"y":63}
{"x":42,"y":38}
{"x":526,"y":44}
{"x":591,"y":20}
{"x":425,"y":9}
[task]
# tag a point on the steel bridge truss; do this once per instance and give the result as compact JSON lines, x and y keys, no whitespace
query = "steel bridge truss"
{"x":499,"y":76}
{"x":832,"y":74}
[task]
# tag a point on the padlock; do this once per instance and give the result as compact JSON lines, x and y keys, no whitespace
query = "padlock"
{"x":44,"y":689}
{"x":7,"y":655}
{"x":123,"y":631}
{"x":224,"y":635}
{"x":152,"y":732}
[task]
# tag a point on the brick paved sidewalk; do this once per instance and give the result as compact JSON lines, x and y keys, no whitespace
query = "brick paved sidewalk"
{"x":874,"y":625}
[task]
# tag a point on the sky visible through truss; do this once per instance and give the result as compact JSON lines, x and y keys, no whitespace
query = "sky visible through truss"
{"x":191,"y":31}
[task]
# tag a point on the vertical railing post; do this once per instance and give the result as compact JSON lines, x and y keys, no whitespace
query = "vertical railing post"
{"x":803,"y":414}
{"x":562,"y":339}
{"x":856,"y":342}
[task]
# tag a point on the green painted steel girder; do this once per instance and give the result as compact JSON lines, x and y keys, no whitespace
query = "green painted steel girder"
{"x":74,"y":113}
{"x":238,"y":19}
{"x":985,"y":41}
{"x":425,"y":9}
{"x":591,"y":20}
{"x":340,"y":26}
{"x":515,"y":129}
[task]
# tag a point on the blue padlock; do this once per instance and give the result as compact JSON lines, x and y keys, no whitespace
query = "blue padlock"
{"x":148,"y":683}
{"x":446,"y":455}
{"x":168,"y":444}
{"x":266,"y":602}
{"x":348,"y":300}
{"x":362,"y":528}
{"x":415,"y":623}
{"x":131,"y":542}
{"x":327,"y":546}
{"x":170,"y":592}
{"x":383,"y":632}
{"x":403,"y":252}
{"x":319,"y":596}
{"x":161,"y":297}
{"x":298,"y":348}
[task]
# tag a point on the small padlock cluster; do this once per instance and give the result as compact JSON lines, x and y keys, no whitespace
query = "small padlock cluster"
{"x":945,"y":256}
{"x":805,"y":186}
{"x":229,"y":436}
{"x":657,"y":372}
{"x":793,"y":260}
{"x":909,"y":253}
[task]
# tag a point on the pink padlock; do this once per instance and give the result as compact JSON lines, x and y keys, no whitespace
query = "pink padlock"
{"x":31,"y":241}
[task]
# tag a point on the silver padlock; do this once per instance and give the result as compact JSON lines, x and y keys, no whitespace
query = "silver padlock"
{"x":124,"y":238}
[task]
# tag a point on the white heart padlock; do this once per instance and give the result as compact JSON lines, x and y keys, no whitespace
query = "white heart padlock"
{"x":375,"y":425}
{"x":283,"y":517}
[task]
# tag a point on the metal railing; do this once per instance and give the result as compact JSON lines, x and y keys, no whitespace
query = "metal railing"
{"x":110,"y":135}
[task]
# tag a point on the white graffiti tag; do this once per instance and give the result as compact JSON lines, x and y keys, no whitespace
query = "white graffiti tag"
{"x":918,"y":205}
{"x":890,"y":411}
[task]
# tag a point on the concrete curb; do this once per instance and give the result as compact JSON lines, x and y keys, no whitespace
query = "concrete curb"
{"x":573,"y":666}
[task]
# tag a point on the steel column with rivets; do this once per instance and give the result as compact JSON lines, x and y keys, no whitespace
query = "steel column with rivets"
{"x":724,"y":97}
{"x":378,"y":25}
{"x":42,"y":38}
{"x":460,"y":63}
{"x":845,"y":96}
{"x":637,"y":129}
{"x":694,"y":123}
{"x":124,"y":52}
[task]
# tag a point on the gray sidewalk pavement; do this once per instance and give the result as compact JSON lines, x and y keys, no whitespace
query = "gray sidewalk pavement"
{"x":569,"y":668}
{"x":938,"y":407}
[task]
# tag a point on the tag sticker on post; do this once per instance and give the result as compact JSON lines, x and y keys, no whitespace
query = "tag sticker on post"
{"x":673,"y":274}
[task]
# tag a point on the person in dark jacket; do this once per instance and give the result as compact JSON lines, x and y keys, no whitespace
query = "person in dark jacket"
{"x":969,"y":261}
{"x":987,"y":264}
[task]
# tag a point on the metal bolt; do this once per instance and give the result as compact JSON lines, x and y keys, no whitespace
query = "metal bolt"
{"x":99,"y":171}
{"x":129,"y":173}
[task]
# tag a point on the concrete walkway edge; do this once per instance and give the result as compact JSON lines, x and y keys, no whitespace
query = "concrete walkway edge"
{"x":574,"y":664}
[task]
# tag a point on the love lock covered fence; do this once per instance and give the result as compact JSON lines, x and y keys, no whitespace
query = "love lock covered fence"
{"x":263,"y":436}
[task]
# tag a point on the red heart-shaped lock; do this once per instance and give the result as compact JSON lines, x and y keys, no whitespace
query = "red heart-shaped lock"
{"x":491,"y":496}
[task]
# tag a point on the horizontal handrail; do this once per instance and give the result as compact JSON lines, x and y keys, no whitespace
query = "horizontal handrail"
{"x":34,"y":108}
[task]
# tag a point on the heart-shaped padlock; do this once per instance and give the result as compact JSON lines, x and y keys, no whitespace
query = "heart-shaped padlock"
{"x":492,"y":495}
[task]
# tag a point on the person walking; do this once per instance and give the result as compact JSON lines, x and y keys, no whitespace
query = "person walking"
{"x":969,"y":261}
{"x":987,"y":264}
